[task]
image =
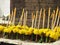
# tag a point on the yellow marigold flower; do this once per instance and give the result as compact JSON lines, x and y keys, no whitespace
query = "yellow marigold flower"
{"x":22,"y":31}
{"x":30,"y":32}
{"x":1,"y":27}
{"x":18,"y":26}
{"x":25,"y":27}
{"x":46,"y":30}
{"x":41,"y":31}
{"x":58,"y":34}
{"x":56,"y":29}
{"x":48,"y":33}
{"x":7,"y":30}
{"x":36,"y":31}
{"x":54,"y":35}
{"x":15,"y":30}
{"x":26,"y":32}
{"x":31,"y":28}
{"x":11,"y":27}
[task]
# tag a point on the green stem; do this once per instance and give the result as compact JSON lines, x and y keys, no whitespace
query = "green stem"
{"x":36,"y":38}
{"x":17,"y":36}
{"x":41,"y":40}
{"x":32,"y":37}
{"x":3,"y":34}
{"x":23,"y":36}
{"x":46,"y":39}
{"x":49,"y":40}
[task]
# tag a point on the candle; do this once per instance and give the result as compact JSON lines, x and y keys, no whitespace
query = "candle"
{"x":43,"y":17}
{"x":39,"y":18}
{"x":48,"y":17}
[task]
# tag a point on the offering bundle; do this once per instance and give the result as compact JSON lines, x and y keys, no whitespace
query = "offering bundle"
{"x":47,"y":31}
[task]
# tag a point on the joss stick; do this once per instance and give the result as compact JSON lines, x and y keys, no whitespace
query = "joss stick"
{"x":11,"y":18}
{"x":8,"y":19}
{"x":43,"y":17}
{"x":14,"y":16}
{"x":48,"y":17}
{"x":24,"y":20}
{"x":33,"y":17}
{"x":59,"y":24}
{"x":20,"y":21}
{"x":36,"y":22}
{"x":39,"y":18}
{"x":36,"y":19}
{"x":56,"y":16}
{"x":53,"y":13}
{"x":26,"y":17}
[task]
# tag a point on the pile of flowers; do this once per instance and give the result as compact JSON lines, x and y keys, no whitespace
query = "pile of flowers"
{"x":29,"y":33}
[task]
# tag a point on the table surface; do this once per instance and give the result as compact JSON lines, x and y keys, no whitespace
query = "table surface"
{"x":19,"y":42}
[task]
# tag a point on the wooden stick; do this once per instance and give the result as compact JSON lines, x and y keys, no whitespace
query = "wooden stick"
{"x":43,"y":18}
{"x":48,"y":17}
{"x":20,"y":21}
{"x":36,"y":18}
{"x":39,"y":18}
{"x":53,"y":13}
{"x":56,"y":16}
{"x":14,"y":16}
